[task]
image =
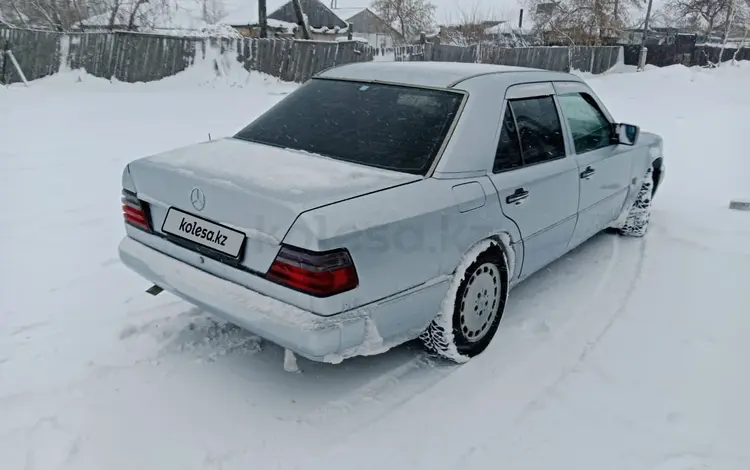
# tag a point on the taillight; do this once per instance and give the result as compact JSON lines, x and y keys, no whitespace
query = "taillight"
{"x":318,"y":274}
{"x":135,"y":211}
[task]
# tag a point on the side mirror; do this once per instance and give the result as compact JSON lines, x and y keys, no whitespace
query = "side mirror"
{"x":627,"y":134}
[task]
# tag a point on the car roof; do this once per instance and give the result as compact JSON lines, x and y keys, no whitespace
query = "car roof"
{"x":431,"y":74}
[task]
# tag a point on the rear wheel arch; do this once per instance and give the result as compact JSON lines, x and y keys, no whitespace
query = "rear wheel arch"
{"x":656,"y":174}
{"x":504,"y":243}
{"x":443,"y":336}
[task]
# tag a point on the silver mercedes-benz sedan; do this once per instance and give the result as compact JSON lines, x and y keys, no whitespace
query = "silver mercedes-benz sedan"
{"x":383,"y":202}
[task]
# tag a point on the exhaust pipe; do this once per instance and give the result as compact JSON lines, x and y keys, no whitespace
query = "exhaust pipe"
{"x":154,"y":290}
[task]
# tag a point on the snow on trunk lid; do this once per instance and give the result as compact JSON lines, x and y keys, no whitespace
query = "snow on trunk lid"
{"x":251,"y":188}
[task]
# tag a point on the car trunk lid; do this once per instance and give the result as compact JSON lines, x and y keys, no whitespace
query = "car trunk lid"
{"x":254,"y":191}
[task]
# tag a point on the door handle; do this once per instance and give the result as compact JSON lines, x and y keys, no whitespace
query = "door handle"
{"x":588,"y":173}
{"x":517,"y":197}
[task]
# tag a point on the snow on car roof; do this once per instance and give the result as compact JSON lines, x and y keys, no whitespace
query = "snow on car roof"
{"x":434,"y":74}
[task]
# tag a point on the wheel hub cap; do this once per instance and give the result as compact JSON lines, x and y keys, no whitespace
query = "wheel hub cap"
{"x":479,"y":302}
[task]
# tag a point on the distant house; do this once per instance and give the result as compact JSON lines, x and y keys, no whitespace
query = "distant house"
{"x":366,"y":24}
{"x":282,"y":20}
{"x":495,"y":32}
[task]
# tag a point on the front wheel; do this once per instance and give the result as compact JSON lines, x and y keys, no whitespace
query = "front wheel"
{"x":472,"y":310}
{"x":639,"y":216}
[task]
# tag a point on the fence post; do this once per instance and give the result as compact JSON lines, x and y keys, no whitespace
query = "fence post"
{"x":4,"y":57}
{"x":642,"y":58}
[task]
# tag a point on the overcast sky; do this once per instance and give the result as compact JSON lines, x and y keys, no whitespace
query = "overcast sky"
{"x":503,"y":9}
{"x":450,"y":9}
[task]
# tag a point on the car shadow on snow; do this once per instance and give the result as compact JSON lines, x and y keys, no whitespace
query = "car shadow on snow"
{"x":220,"y":352}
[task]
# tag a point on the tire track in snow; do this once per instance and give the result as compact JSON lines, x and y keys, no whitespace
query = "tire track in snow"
{"x":381,"y":383}
{"x":599,"y":332}
{"x":429,"y":369}
{"x":591,"y":345}
{"x":514,"y":388}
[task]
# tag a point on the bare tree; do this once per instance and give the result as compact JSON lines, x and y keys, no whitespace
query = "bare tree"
{"x":742,"y":44}
{"x":581,"y":21}
{"x":410,"y":17}
{"x":469,"y":26}
{"x":134,"y":13}
{"x":708,"y":12}
{"x":477,"y":24}
{"x":738,"y":18}
{"x":12,"y":14}
{"x":58,"y":15}
{"x":212,"y":11}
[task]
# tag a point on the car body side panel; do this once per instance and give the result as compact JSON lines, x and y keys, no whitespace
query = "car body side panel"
{"x":464,"y":230}
{"x":647,"y":149}
{"x":401,"y":238}
{"x":546,"y":218}
{"x":603,"y":194}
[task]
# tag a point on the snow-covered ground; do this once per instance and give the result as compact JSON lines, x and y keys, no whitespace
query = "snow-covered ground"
{"x":626,"y":354}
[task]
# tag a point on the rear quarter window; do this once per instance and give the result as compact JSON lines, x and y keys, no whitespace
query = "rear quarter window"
{"x":386,"y":126}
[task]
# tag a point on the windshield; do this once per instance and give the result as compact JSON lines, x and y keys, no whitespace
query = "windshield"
{"x":386,"y":126}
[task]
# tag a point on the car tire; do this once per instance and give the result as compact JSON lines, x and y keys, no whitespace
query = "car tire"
{"x":656,"y":177}
{"x":478,"y":303}
{"x":636,"y":224}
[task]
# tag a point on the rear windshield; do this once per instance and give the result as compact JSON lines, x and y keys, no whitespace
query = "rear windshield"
{"x":386,"y":126}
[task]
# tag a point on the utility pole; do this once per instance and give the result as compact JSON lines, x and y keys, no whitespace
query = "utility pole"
{"x":263,"y":18}
{"x":644,"y":50}
{"x":301,"y":19}
{"x":727,"y":30}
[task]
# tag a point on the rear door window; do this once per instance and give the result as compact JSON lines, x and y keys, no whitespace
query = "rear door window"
{"x":539,"y":129}
{"x":393,"y":127}
{"x":508,"y":154}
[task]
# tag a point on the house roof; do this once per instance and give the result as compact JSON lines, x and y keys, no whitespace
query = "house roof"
{"x":347,"y":13}
{"x":319,"y":15}
{"x":507,"y":27}
{"x":247,"y":14}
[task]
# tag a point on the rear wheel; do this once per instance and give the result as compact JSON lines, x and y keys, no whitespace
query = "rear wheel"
{"x":477,"y":302}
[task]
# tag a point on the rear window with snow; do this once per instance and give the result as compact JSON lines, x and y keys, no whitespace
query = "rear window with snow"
{"x":385,"y":126}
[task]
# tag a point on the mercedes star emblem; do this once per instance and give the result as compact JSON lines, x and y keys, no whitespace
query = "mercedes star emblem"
{"x":198,"y":199}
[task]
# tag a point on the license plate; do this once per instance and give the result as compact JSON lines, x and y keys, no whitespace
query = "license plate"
{"x":203,"y":232}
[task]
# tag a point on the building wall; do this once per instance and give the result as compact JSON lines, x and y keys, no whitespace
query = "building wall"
{"x":377,"y":39}
{"x":321,"y":37}
{"x":369,"y":26}
{"x":254,"y":32}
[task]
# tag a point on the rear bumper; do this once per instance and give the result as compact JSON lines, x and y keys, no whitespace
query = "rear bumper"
{"x":370,"y":330}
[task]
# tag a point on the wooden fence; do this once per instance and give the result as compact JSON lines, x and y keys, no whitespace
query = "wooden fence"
{"x":135,"y":57}
{"x":663,"y":55}
{"x":562,"y":59}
